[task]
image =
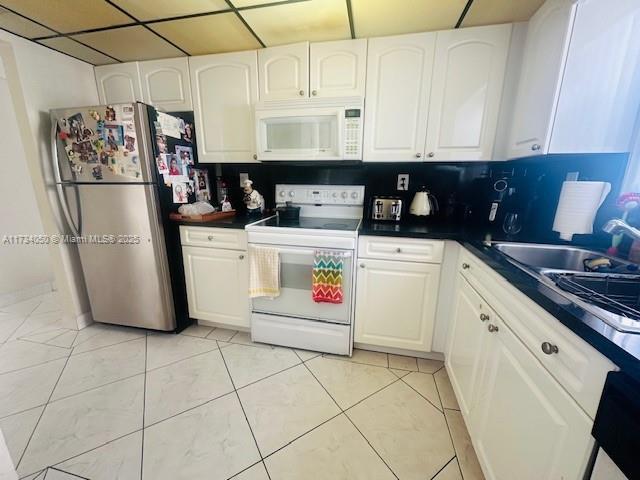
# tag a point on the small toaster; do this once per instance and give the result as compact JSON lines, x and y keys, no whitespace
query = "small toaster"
{"x":386,"y":208}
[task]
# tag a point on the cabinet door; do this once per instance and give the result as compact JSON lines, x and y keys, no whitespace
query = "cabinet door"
{"x":467,"y":335}
{"x":119,"y":83}
{"x":526,"y":426}
{"x":468,"y":75}
{"x":165,"y":84}
{"x":395,"y":304}
{"x":543,"y":61}
{"x":224,"y":89}
{"x":338,"y":68}
{"x":284,"y":72}
{"x":398,"y":85}
{"x":217,"y":285}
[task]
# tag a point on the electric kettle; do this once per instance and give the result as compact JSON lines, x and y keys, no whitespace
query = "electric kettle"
{"x":424,"y":203}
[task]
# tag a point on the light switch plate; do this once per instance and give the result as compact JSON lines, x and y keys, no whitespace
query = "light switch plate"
{"x":243,"y":177}
{"x":403,"y":181}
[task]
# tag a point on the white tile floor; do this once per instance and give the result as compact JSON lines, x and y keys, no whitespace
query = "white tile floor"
{"x":118,"y":403}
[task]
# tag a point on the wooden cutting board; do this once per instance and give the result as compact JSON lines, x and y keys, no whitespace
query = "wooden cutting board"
{"x":207,"y":217}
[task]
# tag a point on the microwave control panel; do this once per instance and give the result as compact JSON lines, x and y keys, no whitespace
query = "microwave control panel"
{"x":353,"y":134}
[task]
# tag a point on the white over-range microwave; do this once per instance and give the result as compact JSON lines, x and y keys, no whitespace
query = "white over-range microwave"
{"x":310,"y":129}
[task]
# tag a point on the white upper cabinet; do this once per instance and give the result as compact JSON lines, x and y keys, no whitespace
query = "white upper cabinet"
{"x":118,"y":83}
{"x":338,"y":69}
{"x":466,"y":91}
{"x":540,"y":77}
{"x":165,"y":84}
{"x":284,"y":72}
{"x":578,"y":90}
{"x":225,"y":89}
{"x":398,"y":84}
{"x":600,"y":95}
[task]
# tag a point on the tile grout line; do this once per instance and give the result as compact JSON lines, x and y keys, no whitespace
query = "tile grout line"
{"x":68,"y":473}
{"x":242,"y":407}
{"x":445,"y":466}
{"x":42,"y":413}
{"x":349,"y":419}
{"x":25,"y":319}
{"x":144,"y":405}
{"x":441,"y":410}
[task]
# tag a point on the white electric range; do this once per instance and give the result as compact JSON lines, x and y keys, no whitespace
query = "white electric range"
{"x":330,"y":216}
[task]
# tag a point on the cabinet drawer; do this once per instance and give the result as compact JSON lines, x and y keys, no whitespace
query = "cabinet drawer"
{"x":577,"y":366}
{"x":213,"y":237}
{"x":402,"y":249}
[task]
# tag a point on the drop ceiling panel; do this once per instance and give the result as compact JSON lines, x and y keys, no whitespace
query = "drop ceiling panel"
{"x":315,"y":20}
{"x":156,"y":9}
{"x":219,"y":33}
{"x":489,"y":12}
{"x":130,"y":43}
{"x":77,"y":50}
{"x":69,"y":15}
{"x":21,"y":26}
{"x":375,"y":18}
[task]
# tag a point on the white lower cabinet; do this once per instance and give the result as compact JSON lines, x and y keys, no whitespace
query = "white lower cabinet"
{"x":467,"y":341}
{"x":524,"y":424}
{"x":217,"y":285}
{"x":527,"y":419}
{"x":395,"y":304}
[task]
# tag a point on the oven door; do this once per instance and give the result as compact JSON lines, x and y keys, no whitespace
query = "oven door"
{"x":300,"y":134}
{"x":295,"y":300}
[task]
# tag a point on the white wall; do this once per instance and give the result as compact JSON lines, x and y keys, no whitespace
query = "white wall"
{"x":22,"y":266}
{"x":39,"y":80}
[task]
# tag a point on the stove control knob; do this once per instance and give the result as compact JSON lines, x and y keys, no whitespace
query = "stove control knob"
{"x":282,"y":194}
{"x":335,"y":195}
{"x":343,"y":195}
{"x":292,"y":193}
{"x":354,"y":195}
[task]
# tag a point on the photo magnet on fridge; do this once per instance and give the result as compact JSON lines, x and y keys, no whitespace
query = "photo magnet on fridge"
{"x":161,"y":163}
{"x":175,"y":167}
{"x":110,"y":114}
{"x":185,"y":154}
{"x":161,"y":141}
{"x":179,"y":192}
{"x":113,"y":135}
{"x":130,"y":143}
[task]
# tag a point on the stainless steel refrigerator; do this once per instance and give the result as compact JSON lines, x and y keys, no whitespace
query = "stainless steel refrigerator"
{"x":104,"y":167}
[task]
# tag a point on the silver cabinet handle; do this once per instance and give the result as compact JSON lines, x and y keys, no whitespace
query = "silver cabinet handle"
{"x":418,"y":155}
{"x":492,"y":328}
{"x":484,"y":317}
{"x":255,"y":156}
{"x":241,"y":257}
{"x":535,"y":147}
{"x":549,"y":348}
{"x":301,"y":92}
{"x":362,"y":265}
{"x":466,"y":266}
{"x":431,"y":155}
{"x":398,"y":250}
{"x":314,"y":92}
{"x":210,"y":237}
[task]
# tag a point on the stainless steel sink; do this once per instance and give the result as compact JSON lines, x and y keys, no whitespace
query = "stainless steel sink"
{"x":553,"y":257}
{"x":613,"y":297}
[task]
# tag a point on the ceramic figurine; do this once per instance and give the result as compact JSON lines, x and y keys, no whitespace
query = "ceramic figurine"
{"x":252,"y":199}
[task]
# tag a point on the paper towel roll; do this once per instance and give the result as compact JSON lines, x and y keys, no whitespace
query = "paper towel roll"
{"x":577,"y":207}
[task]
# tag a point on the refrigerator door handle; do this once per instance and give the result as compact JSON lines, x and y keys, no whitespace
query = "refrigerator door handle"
{"x":60,"y":185}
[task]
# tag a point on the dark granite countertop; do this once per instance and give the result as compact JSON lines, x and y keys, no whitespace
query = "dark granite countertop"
{"x":238,"y":222}
{"x":623,"y":349}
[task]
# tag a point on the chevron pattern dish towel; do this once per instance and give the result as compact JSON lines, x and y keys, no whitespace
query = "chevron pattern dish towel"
{"x":327,"y":276}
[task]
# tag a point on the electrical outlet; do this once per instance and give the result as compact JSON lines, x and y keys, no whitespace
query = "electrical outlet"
{"x":243,"y":177}
{"x":403,"y":181}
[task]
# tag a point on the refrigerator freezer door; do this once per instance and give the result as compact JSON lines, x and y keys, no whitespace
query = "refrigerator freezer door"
{"x":128,"y":283}
{"x":103,"y":144}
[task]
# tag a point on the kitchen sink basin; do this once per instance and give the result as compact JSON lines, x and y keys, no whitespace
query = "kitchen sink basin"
{"x":613,"y":296}
{"x":554,"y":257}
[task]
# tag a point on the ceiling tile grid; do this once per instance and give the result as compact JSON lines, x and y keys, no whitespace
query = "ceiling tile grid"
{"x":109,"y":31}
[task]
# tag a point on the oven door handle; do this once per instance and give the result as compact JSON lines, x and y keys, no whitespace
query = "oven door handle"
{"x":301,"y":251}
